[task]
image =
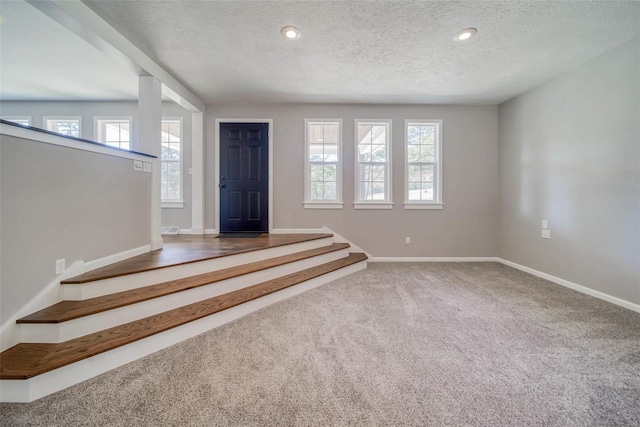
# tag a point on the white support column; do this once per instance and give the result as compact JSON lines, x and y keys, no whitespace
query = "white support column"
{"x":197,"y":173}
{"x":149,"y":141}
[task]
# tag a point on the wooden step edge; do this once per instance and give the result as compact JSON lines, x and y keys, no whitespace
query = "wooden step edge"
{"x":69,"y":310}
{"x":78,"y":280}
{"x":27,"y":360}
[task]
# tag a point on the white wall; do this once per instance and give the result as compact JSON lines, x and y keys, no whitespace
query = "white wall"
{"x":570,"y":154}
{"x":60,"y":202}
{"x":467,"y":226}
{"x":180,"y":217}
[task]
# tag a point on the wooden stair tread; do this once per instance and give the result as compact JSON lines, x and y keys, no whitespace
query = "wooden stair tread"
{"x":27,"y":360}
{"x":197,"y":251}
{"x":69,"y":310}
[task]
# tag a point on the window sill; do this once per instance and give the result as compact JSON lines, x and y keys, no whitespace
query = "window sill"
{"x":428,"y":205}
{"x":321,"y":205}
{"x":372,"y":205}
{"x":173,"y":204}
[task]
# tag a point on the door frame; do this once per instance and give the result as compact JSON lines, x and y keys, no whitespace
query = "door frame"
{"x":217,"y":167}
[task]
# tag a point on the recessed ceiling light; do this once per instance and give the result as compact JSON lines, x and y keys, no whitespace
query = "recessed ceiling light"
{"x":291,"y":33}
{"x":465,"y":35}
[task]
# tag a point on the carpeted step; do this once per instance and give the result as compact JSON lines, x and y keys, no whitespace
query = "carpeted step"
{"x":27,"y":360}
{"x":69,"y":310}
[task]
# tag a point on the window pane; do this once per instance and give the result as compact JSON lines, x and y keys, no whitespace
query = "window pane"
{"x":365,"y":191}
{"x":413,"y":134}
{"x":414,"y":173}
{"x":378,"y":153}
{"x":379,"y":134}
{"x":330,"y":191}
{"x":331,"y":134}
{"x":317,"y":173}
{"x":317,"y":191}
{"x":316,"y":152}
{"x":427,"y":191}
{"x":173,"y":191}
{"x":427,"y":173}
{"x":330,"y":153}
{"x":427,"y":153}
{"x":364,"y":173}
{"x":330,"y":173}
{"x":163,"y":189}
{"x":364,"y":153}
{"x":377,"y":173}
{"x":413,"y":153}
{"x":427,"y":134}
{"x":174,"y":172}
{"x":378,"y":191}
{"x":316,"y":134}
{"x":364,"y":134}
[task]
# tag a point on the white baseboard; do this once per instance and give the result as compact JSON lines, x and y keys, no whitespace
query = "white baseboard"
{"x":111,"y":259}
{"x":298,"y":231}
{"x":433,"y":259}
{"x":583,"y":289}
{"x":197,"y":231}
{"x":210,"y":231}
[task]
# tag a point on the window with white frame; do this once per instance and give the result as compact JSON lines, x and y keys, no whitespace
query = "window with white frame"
{"x":19,"y":120}
{"x":423,"y":164}
{"x":70,"y":126}
{"x":171,"y":161}
{"x":114,"y":132}
{"x":323,"y":163}
{"x":373,"y":164}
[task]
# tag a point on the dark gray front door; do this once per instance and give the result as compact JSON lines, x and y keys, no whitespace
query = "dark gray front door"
{"x":244,"y":177}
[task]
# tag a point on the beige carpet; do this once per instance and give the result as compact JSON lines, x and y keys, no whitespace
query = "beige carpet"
{"x":398,"y":344}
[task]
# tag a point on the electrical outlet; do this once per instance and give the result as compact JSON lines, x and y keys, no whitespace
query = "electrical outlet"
{"x":407,"y":240}
{"x":546,"y":234}
{"x":545,"y":224}
{"x":60,"y":266}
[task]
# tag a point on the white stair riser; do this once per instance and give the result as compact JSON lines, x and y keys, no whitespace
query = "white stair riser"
{"x":50,"y":382}
{"x":59,"y":332}
{"x":103,"y":287}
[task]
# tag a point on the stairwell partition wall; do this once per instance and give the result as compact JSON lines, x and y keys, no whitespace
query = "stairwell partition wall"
{"x":93,"y":114}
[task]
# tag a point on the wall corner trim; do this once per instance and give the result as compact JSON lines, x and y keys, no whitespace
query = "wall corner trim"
{"x":576,"y":287}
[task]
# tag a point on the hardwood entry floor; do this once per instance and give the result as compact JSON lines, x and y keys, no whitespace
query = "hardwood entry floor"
{"x":185,"y":249}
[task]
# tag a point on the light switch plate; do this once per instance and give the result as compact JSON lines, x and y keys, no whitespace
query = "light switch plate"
{"x":545,"y":224}
{"x":137,"y":165}
{"x":60,"y":266}
{"x":146,"y":166}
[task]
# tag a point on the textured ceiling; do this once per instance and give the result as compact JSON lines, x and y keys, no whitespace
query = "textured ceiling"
{"x":369,"y":51}
{"x":41,"y":60}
